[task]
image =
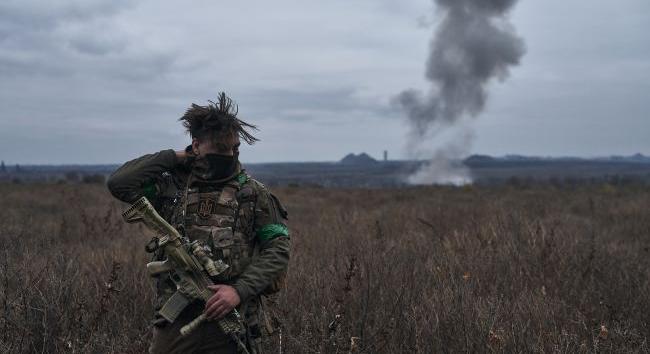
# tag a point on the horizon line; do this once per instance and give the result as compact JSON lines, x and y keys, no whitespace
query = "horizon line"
{"x":548,"y":157}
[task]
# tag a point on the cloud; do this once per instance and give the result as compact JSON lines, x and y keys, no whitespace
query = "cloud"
{"x":94,"y":72}
{"x":74,"y":38}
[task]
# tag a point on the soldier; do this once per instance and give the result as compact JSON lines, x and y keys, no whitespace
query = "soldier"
{"x":204,"y":192}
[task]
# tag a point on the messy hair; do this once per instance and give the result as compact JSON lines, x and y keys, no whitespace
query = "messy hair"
{"x":217,"y":120}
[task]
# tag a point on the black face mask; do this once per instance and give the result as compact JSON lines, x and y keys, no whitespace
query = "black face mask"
{"x":215,"y":166}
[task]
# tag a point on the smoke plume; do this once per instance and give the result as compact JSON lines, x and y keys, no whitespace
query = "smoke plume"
{"x":473,"y":44}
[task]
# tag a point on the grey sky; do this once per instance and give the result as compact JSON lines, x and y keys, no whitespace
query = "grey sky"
{"x":103,"y":81}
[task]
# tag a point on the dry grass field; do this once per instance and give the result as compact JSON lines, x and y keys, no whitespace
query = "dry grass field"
{"x":419,"y":270}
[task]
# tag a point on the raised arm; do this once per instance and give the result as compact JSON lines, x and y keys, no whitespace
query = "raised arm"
{"x":143,"y":175}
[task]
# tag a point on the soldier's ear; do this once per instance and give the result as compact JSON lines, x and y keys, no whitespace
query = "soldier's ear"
{"x":195,"y":146}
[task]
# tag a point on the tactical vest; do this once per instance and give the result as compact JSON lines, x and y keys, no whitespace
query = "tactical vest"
{"x":221,"y":218}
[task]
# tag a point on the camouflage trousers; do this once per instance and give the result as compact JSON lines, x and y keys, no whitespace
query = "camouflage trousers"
{"x":206,"y":339}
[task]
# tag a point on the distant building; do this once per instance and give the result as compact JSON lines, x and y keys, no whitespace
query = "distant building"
{"x":361,"y":159}
{"x":385,"y":155}
{"x":3,"y":168}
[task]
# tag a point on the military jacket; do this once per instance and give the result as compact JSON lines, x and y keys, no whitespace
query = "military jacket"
{"x":238,"y":218}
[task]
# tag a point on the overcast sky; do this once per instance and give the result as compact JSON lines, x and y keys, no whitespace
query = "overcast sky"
{"x":104,"y":81}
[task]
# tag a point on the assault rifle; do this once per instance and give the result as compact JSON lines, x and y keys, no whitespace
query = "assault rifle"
{"x":191,"y":268}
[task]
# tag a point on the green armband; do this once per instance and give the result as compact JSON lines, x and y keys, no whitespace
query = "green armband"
{"x":271,"y":231}
{"x":242,"y":178}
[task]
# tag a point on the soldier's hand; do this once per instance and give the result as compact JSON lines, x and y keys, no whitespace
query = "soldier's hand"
{"x":224,"y":300}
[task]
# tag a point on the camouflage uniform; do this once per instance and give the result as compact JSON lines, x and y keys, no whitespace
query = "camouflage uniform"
{"x":238,"y":217}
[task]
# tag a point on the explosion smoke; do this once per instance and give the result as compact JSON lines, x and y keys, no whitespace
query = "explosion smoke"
{"x":473,"y":44}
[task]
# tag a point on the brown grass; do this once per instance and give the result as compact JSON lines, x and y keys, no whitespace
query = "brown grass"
{"x":420,"y":270}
